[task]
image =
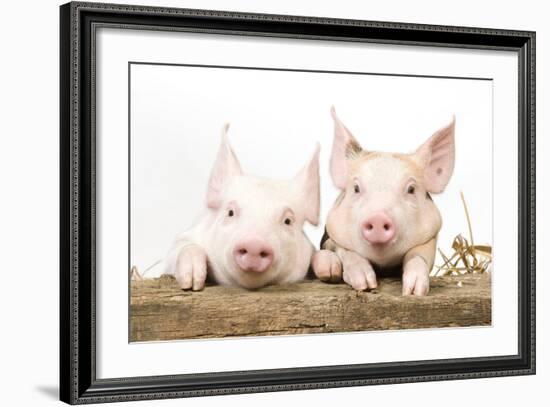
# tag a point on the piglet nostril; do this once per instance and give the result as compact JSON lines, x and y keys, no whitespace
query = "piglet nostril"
{"x":242,"y":252}
{"x":369,"y":226}
{"x":264,"y":254}
{"x":386,"y":226}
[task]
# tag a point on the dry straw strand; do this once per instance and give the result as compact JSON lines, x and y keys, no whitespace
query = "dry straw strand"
{"x":136,"y":275}
{"x":467,"y":257}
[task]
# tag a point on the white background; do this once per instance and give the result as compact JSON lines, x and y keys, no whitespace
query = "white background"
{"x":276,"y":119}
{"x":30,"y":206}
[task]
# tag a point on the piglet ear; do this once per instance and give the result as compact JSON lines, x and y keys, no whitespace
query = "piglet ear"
{"x":344,"y":147}
{"x":307,"y":184}
{"x":225,"y":167}
{"x":437,"y":156}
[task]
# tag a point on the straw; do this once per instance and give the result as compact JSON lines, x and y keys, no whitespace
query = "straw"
{"x":467,"y":257}
{"x":136,"y":275}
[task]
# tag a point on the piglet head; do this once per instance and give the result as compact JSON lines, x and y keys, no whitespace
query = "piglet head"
{"x":385,"y":208}
{"x":256,"y":231}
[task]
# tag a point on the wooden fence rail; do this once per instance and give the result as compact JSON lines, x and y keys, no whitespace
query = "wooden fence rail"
{"x":161,"y":311}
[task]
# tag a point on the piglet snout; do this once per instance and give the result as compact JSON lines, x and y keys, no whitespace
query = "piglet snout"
{"x":378,"y":228}
{"x":253,"y":255}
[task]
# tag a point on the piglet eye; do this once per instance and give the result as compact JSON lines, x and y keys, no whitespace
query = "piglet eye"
{"x":288,"y":221}
{"x":231,"y":212}
{"x":411,"y":189}
{"x":356,"y":188}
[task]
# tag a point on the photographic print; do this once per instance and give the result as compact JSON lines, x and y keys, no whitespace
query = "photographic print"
{"x":255,"y":202}
{"x":288,"y":201}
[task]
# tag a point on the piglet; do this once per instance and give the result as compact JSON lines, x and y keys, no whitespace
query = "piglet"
{"x":384,"y":216}
{"x":250,"y":234}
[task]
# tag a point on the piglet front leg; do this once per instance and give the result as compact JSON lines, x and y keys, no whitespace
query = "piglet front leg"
{"x":334,"y":263}
{"x":417,"y":265}
{"x":358,"y":272}
{"x":191,"y":267}
{"x":327,"y":266}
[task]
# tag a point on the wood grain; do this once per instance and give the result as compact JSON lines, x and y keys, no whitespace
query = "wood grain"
{"x":161,"y":311}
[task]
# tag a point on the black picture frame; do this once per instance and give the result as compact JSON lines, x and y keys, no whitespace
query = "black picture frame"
{"x":78,"y":382}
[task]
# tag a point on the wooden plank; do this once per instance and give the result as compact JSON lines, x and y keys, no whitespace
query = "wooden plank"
{"x":161,"y":311}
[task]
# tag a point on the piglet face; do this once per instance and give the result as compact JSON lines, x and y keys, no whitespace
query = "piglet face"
{"x":256,"y":232}
{"x":385,"y":207}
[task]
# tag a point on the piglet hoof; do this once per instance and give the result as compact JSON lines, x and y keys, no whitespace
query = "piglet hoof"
{"x":327,"y":266}
{"x":191,"y":268}
{"x":416,"y":277}
{"x":358,"y":272}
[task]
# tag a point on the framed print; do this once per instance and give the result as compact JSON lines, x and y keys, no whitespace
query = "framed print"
{"x":255,"y":203}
